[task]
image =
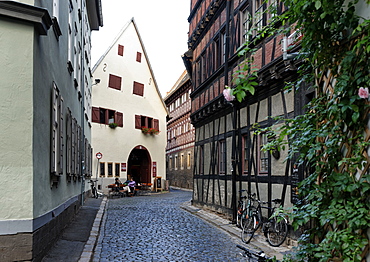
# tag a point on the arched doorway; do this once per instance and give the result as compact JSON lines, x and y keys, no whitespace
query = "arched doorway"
{"x":139,"y":165}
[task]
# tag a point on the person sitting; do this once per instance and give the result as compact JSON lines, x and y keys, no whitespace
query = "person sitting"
{"x":118,"y":184}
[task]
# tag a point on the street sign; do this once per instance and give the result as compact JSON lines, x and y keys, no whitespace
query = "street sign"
{"x":99,"y":155}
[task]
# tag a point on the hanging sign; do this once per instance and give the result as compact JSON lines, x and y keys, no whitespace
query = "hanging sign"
{"x":123,"y":167}
{"x":154,"y":169}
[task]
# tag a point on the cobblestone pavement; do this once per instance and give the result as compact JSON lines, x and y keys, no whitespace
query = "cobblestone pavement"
{"x":155,"y":228}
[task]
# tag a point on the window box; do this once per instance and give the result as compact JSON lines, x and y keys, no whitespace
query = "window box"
{"x":113,"y":125}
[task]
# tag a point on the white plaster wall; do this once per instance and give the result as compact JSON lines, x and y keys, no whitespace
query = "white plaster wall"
{"x":116,"y":144}
{"x":30,"y":2}
{"x":16,"y":118}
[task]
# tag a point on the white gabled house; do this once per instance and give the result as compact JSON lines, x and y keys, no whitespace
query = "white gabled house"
{"x":128,"y":114}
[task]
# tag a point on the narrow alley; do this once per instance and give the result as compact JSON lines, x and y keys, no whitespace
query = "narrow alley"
{"x":155,"y":228}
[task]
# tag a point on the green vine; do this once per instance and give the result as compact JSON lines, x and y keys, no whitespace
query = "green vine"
{"x":330,"y":140}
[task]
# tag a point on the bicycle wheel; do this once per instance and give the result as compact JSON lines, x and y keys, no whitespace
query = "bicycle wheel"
{"x":250,"y":226}
{"x":245,"y":216}
{"x":278,"y":231}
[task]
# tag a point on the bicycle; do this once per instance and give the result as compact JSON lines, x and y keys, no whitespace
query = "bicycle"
{"x":94,"y":191}
{"x":260,"y":256}
{"x":245,"y":208}
{"x":274,"y":228}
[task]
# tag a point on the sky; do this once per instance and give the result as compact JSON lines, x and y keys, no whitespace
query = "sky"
{"x":163,"y":27}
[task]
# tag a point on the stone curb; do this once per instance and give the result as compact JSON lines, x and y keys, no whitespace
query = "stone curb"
{"x":89,"y":247}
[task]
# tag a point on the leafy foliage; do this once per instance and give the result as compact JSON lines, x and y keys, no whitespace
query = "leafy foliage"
{"x":330,"y":139}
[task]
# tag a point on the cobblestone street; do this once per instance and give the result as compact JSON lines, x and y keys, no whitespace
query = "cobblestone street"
{"x":155,"y":228}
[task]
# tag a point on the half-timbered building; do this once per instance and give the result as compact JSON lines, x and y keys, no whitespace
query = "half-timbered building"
{"x":228,"y":155}
{"x":180,"y":134}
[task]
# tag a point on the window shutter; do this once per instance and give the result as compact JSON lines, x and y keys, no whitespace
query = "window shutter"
{"x":118,"y":116}
{"x":61,"y":138}
{"x":69,"y":142}
{"x":120,"y":50}
{"x":137,"y":122}
{"x":106,"y":117}
{"x":54,"y":117}
{"x":115,"y":82}
{"x":95,"y":114}
{"x":138,"y":57}
{"x":138,"y":89}
{"x":156,"y":124}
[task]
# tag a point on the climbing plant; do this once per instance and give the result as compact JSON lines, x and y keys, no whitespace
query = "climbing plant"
{"x":331,"y":140}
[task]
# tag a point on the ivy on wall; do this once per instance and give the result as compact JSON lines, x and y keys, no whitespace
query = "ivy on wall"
{"x":332,"y":139}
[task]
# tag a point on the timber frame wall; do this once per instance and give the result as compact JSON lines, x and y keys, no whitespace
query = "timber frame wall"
{"x":215,"y":34}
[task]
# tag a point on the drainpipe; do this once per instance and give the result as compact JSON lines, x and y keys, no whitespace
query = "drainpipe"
{"x":82,"y":142}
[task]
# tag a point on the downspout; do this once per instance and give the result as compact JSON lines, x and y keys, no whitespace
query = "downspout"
{"x":229,"y":4}
{"x":82,"y":142}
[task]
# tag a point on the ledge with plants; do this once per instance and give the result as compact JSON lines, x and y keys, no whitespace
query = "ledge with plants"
{"x":149,"y":130}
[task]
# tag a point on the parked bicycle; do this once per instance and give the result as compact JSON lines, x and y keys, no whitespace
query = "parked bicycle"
{"x":245,"y":207}
{"x":256,"y":256}
{"x":94,"y":191}
{"x":274,"y":228}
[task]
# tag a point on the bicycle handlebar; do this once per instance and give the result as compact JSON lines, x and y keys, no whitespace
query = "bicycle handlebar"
{"x":261,"y":255}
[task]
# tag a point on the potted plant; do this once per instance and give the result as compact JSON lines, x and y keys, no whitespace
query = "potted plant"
{"x":145,"y":130}
{"x":113,"y":125}
{"x":153,"y":131}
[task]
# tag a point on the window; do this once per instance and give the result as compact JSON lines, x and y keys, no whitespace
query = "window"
{"x":245,"y":155}
{"x":141,"y":121}
{"x":245,"y":25}
{"x":273,"y":9}
{"x":263,"y":155}
{"x":117,"y":173}
{"x":170,"y":163}
{"x":182,"y":161}
{"x":138,"y":89}
{"x":115,"y":82}
{"x":120,"y":50}
{"x":102,"y":169}
{"x":110,"y":169}
{"x":197,"y":74}
{"x":106,"y":116}
{"x":221,"y":156}
{"x":217,"y":56}
{"x":203,"y":68}
{"x":57,"y":123}
{"x":258,"y":15}
{"x":138,"y":57}
{"x":175,"y":162}
{"x":223,"y":47}
{"x":188,"y":160}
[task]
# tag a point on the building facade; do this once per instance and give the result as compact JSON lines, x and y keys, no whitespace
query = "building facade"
{"x":228,"y":155}
{"x":45,"y":140}
{"x":180,"y":134}
{"x":128,"y":114}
